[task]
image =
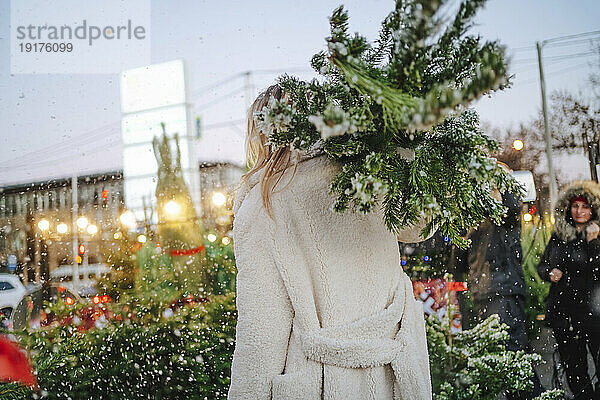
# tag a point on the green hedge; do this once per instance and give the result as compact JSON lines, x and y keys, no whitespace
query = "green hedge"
{"x":183,"y":355}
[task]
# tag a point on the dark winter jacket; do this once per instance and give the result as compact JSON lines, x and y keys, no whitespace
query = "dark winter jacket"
{"x":578,"y":260}
{"x":493,"y":261}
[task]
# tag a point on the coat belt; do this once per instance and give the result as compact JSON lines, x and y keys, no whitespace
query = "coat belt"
{"x":368,"y":342}
{"x":391,"y":336}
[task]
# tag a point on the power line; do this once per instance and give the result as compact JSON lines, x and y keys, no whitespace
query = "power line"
{"x":573,"y":42}
{"x":564,"y":41}
{"x":238,"y":75}
{"x":217,"y":125}
{"x":555,"y":73}
{"x":239,"y":131}
{"x":571,"y":56}
{"x":524,"y":48}
{"x":89,"y":136}
{"x":23,"y":164}
{"x":219,"y":83}
{"x":96,"y":134}
{"x":558,"y":57}
{"x":529,"y":68}
{"x":39,"y":164}
{"x":219,"y":99}
{"x":27,"y":165}
{"x":567,"y":37}
{"x":281,"y":71}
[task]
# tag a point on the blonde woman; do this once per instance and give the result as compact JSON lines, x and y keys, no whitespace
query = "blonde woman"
{"x":324,"y":308}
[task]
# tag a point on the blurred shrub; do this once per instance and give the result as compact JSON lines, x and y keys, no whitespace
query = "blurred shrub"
{"x":534,"y":238}
{"x":183,"y":353}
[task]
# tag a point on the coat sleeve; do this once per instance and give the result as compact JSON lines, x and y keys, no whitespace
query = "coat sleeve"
{"x":546,"y":265}
{"x":264,"y":317}
{"x":594,"y":253}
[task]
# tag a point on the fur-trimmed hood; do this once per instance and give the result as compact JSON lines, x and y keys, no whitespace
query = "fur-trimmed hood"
{"x":565,"y":230}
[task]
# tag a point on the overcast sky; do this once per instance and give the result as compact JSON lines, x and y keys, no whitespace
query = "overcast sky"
{"x":53,"y":125}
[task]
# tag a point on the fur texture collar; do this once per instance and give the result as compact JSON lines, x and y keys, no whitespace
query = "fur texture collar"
{"x":591,"y":191}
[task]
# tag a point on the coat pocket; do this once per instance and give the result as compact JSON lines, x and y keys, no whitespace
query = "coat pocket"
{"x":294,"y":386}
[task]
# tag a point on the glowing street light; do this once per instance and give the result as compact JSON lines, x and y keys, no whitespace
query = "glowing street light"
{"x":219,"y":199}
{"x":225,"y":240}
{"x":44,"y":225}
{"x":62,"y":228}
{"x":92,"y":229}
{"x":518,"y":145}
{"x":211,"y":237}
{"x":82,"y":222}
{"x":527,"y":217}
{"x":172,"y":207}
{"x":142,"y":239}
{"x":128,"y":219}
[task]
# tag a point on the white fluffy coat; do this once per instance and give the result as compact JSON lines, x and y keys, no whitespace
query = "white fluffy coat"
{"x":325,"y":310}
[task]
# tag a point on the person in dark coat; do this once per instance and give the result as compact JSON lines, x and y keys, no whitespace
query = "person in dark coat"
{"x":571,"y":262}
{"x":492,"y":264}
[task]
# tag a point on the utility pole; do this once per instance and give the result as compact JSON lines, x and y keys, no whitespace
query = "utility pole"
{"x":547,"y":136}
{"x":569,"y":39}
{"x":75,"y":209}
{"x":592,"y":148}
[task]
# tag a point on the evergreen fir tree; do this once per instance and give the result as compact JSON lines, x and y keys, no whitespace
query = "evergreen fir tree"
{"x":394,"y":113}
{"x":181,"y":229}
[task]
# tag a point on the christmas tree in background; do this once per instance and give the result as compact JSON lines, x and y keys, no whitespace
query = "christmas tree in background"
{"x":394,"y":114}
{"x":474,"y":364}
{"x":180,"y":231}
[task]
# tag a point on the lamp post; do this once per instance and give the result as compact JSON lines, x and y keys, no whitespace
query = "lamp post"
{"x":223,"y":214}
{"x":128,"y":220}
{"x":90,"y":231}
{"x":518,"y":145}
{"x":219,"y":199}
{"x":62,"y":228}
{"x":44,"y":273}
{"x":172,"y":208}
{"x":82,"y":222}
{"x":75,"y":211}
{"x":44,"y":225}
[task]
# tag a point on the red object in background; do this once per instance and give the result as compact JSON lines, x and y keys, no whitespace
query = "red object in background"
{"x":96,"y":299}
{"x":189,"y":300}
{"x":136,"y":247}
{"x":14,"y":366}
{"x":69,"y":301}
{"x":105,"y":194}
{"x":87,"y":318}
{"x":434,"y":288}
{"x":457,"y":286}
{"x":532,"y":209}
{"x":187,"y":252}
{"x":106,"y":298}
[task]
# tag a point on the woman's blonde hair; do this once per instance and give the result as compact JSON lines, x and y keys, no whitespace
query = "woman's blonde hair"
{"x":260,"y":155}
